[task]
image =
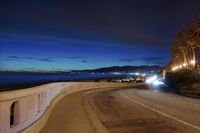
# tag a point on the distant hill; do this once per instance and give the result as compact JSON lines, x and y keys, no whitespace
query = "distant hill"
{"x":123,"y":69}
{"x":143,"y":68}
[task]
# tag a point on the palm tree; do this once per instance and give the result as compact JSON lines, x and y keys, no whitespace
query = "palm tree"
{"x":197,"y":26}
{"x":194,"y":39}
{"x":192,"y":47}
{"x":197,"y":32}
{"x":177,"y":55}
{"x":184,"y":49}
{"x":181,"y":41}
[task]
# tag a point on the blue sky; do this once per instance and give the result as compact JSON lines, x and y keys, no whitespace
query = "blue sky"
{"x":33,"y":53}
{"x":60,"y":35}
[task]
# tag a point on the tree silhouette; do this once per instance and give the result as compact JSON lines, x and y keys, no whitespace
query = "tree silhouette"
{"x":185,"y":47}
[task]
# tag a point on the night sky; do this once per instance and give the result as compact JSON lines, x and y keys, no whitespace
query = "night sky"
{"x":60,"y":35}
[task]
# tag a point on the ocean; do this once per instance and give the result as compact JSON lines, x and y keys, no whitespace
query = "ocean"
{"x":8,"y":78}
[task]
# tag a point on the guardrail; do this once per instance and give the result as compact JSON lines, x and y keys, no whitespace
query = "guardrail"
{"x":24,"y":108}
{"x":20,"y":108}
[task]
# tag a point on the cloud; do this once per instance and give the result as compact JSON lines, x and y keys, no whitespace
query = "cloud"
{"x":127,"y":60}
{"x":148,"y":60}
{"x":75,"y":57}
{"x":29,"y":58}
{"x":157,"y":58}
{"x":12,"y":57}
{"x":43,"y":59}
{"x":85,"y":61}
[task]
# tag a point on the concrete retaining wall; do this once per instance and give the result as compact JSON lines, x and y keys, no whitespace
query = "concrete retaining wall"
{"x":21,"y":109}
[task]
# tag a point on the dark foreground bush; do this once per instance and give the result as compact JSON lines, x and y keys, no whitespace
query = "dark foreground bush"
{"x":182,"y":80}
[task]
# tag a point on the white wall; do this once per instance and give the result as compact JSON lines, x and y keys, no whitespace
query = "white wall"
{"x":33,"y":102}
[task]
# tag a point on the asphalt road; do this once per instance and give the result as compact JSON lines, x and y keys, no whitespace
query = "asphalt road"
{"x":134,"y":110}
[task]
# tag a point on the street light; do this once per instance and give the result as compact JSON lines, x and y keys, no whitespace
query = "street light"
{"x":192,"y":62}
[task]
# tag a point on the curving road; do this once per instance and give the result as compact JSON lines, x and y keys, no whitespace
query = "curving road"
{"x":133,"y":110}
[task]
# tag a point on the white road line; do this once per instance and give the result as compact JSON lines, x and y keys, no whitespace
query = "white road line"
{"x":172,"y":95}
{"x":162,"y":113}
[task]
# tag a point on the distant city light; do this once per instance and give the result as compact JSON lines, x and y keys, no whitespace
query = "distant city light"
{"x":131,"y":73}
{"x":144,"y":74}
{"x":137,"y":73}
{"x":116,"y":73}
{"x":151,"y":79}
{"x":157,"y":82}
